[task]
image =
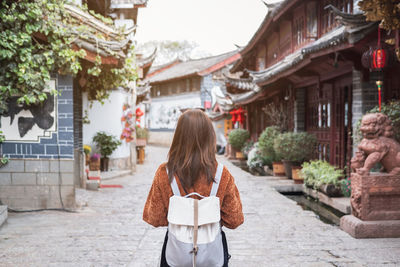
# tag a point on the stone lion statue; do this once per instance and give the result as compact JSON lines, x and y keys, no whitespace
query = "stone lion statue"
{"x":376,"y":146}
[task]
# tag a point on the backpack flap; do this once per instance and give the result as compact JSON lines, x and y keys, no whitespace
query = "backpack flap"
{"x":180,"y":211}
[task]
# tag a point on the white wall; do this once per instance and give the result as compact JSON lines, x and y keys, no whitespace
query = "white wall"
{"x":107,"y":118}
{"x":165,"y":111}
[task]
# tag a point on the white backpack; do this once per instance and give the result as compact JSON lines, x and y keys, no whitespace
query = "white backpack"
{"x":194,"y":229}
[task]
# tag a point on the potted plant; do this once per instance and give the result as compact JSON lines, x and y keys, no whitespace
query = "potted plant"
{"x":266,"y":147}
{"x":141,"y":136}
{"x":106,"y":144}
{"x":94,"y":162}
{"x":3,"y":159}
{"x":294,"y":149}
{"x":237,"y":138}
{"x":322,"y":176}
{"x":248,"y":146}
{"x":87,"y":149}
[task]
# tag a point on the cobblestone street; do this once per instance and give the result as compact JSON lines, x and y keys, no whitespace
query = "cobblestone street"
{"x":108,"y":230}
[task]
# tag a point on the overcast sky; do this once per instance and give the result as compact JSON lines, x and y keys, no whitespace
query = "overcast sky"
{"x":216,"y":25}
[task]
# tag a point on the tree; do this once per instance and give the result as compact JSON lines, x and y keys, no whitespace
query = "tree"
{"x":385,"y":11}
{"x":169,"y":50}
{"x":36,"y":40}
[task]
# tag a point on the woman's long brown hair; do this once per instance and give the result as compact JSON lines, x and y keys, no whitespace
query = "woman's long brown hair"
{"x":192,"y":153}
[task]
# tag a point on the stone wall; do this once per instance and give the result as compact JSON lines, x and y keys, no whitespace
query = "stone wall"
{"x":36,"y":183}
{"x":41,"y":165}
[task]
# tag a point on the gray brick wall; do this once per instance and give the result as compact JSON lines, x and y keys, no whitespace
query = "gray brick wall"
{"x":207,"y":83}
{"x":365,"y":95}
{"x":60,"y":144}
{"x":299,"y":110}
{"x":36,"y":184}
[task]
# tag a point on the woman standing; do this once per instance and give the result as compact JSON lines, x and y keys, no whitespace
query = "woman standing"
{"x":192,"y":166}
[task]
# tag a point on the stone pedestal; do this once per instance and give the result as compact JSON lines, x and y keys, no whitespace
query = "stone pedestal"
{"x":370,"y":229}
{"x":375,"y":202}
{"x":375,"y":197}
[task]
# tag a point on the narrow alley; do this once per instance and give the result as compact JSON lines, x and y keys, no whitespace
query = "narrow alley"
{"x":108,"y":230}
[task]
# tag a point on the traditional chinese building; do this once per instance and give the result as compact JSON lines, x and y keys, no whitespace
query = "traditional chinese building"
{"x":306,"y":57}
{"x":180,"y":85}
{"x":44,"y":142}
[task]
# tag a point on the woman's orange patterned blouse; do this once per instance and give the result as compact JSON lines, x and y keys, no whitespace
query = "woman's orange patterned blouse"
{"x":156,"y":207}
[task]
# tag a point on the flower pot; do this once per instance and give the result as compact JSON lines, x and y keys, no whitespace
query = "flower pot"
{"x":331,"y":190}
{"x":287,"y":165}
{"x":141,"y":142}
{"x":296,"y":175}
{"x":94,"y":165}
{"x":278,"y":169}
{"x":239,"y":155}
{"x":104,"y":164}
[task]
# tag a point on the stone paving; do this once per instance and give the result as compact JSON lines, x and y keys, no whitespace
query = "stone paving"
{"x":108,"y":230}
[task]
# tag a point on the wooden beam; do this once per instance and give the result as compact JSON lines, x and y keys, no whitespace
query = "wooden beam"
{"x":91,"y":57}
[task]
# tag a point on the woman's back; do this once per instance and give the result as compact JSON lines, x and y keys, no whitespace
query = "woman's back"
{"x":192,"y":164}
{"x":156,"y":208}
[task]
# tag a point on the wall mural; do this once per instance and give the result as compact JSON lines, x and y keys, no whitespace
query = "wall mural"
{"x":165,"y":114}
{"x":30,"y":122}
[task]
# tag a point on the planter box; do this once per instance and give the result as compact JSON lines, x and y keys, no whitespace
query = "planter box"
{"x":296,"y":175}
{"x":239,"y":155}
{"x":278,"y":169}
{"x":94,"y":165}
{"x":141,"y":142}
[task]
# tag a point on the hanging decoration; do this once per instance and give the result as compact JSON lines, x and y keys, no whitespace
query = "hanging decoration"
{"x":238,"y":115}
{"x":379,"y":84}
{"x":139,"y":113}
{"x":234,"y":117}
{"x":376,"y":59}
{"x":128,"y":132}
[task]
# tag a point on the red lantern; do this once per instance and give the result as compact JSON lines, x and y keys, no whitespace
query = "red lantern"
{"x":376,"y":59}
{"x":234,"y":117}
{"x":379,"y":59}
{"x":241,"y":117}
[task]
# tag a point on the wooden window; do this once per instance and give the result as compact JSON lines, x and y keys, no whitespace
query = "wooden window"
{"x":312,"y":22}
{"x":285,"y":29}
{"x":298,"y":27}
{"x":273,"y":49}
{"x":261,"y":58}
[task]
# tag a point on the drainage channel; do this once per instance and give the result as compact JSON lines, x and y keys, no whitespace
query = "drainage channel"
{"x":325,"y":213}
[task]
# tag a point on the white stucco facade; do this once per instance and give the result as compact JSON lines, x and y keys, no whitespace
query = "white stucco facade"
{"x":107,"y":118}
{"x":165,"y":111}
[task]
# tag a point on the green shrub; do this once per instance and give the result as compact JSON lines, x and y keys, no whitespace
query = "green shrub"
{"x":296,"y":147}
{"x":266,"y":143}
{"x":106,"y":143}
{"x":238,"y":137}
{"x":392,"y":110}
{"x":318,"y":172}
{"x":141,"y":133}
{"x":345,"y":185}
{"x":3,"y":160}
{"x":248,"y":145}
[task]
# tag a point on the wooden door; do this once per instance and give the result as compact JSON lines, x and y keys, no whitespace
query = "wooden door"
{"x":328,"y":117}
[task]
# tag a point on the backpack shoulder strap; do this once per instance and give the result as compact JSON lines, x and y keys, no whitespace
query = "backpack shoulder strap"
{"x":218,"y":175}
{"x":174,"y":186}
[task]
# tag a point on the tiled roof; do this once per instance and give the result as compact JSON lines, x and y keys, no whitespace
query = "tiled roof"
{"x":351,"y":32}
{"x":191,"y":67}
{"x":107,"y":45}
{"x":127,"y":3}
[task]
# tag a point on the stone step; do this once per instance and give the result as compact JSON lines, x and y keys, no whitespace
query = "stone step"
{"x":3,"y":214}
